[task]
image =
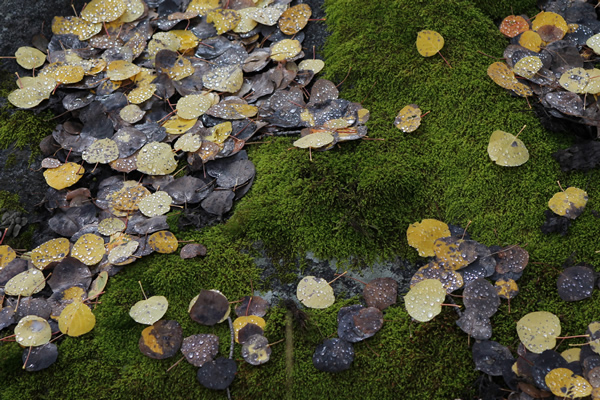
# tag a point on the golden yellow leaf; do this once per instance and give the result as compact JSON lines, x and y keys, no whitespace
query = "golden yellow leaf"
{"x":76,"y":319}
{"x":64,"y":176}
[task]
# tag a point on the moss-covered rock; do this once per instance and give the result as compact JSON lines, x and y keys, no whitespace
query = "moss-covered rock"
{"x":356,"y":200}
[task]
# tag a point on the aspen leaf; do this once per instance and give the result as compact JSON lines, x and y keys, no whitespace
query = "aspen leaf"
{"x":429,"y":43}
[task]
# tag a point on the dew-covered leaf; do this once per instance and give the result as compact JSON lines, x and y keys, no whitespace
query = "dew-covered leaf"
{"x":409,"y":118}
{"x":422,"y":235}
{"x":423,"y":301}
{"x":76,"y":319}
{"x":381,"y":293}
{"x":50,"y":252}
{"x":538,"y":331}
{"x":7,"y":254}
{"x":89,"y":249}
{"x":244,"y":320}
{"x":333,"y":355}
{"x":32,"y":331}
{"x":294,"y":19}
{"x":150,"y":310}
{"x":502,"y":75}
{"x":286,"y":49}
{"x":39,"y":357}
{"x":64,"y":176}
{"x":30,"y":57}
{"x":569,"y":203}
{"x":217,"y":374}
{"x":450,"y":279}
{"x":507,"y":150}
{"x":98,"y":285}
{"x":200,"y":348}
{"x":256,"y":350}
{"x":513,"y":25}
{"x":489,"y":357}
{"x":576,"y":283}
{"x":315,"y":292}
{"x":210,"y":307}
{"x":163,"y":242}
{"x":156,"y":159}
{"x":161,"y":340}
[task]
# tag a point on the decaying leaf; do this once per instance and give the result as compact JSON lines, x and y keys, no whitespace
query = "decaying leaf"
{"x":422,"y":235}
{"x":569,"y":203}
{"x":409,"y":118}
{"x":429,"y":43}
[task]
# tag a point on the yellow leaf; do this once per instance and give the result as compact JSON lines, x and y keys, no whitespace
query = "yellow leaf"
{"x":76,"y":319}
{"x":429,"y":43}
{"x":64,"y":176}
{"x":569,"y":203}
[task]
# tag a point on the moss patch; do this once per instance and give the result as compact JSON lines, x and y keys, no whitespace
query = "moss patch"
{"x":357,"y":200}
{"x":19,"y":127}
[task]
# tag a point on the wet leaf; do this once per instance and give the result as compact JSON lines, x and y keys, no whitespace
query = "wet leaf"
{"x":242,"y":321}
{"x":294,"y":19}
{"x":285,"y":49}
{"x":209,"y":308}
{"x":200,"y":348}
{"x":527,"y":67}
{"x":76,"y":319}
{"x":50,"y":252}
{"x":422,"y":235}
{"x":103,"y":10}
{"x":409,"y":118}
{"x":507,"y":150}
{"x":156,"y":159}
{"x":163,"y":242}
{"x":252,"y":305}
{"x":39,"y":357}
{"x":98,"y":285}
{"x":538,"y":331}
{"x":110,"y":226}
{"x":423,"y":301}
{"x":576,"y":283}
{"x":564,"y":383}
{"x":32,"y":331}
{"x":256,"y":350}
{"x":569,"y":203}
{"x":29,"y":57}
{"x":64,"y":176}
{"x":150,"y":310}
{"x":101,"y":151}
{"x":381,"y":293}
{"x":513,"y":25}
{"x":217,"y":374}
{"x":89,"y":249}
{"x":161,"y":340}
{"x":75,"y":25}
{"x":333,"y":355}
{"x":7,"y":254}
{"x":157,"y":203}
{"x":315,"y":292}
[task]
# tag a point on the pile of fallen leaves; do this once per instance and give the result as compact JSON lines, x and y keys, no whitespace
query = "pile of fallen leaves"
{"x":150,"y":91}
{"x":551,"y":57}
{"x":537,"y":370}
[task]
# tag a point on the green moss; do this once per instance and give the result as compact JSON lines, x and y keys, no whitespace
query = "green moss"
{"x":10,"y":161}
{"x":21,"y":128}
{"x":354,"y":203}
{"x":10,"y":201}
